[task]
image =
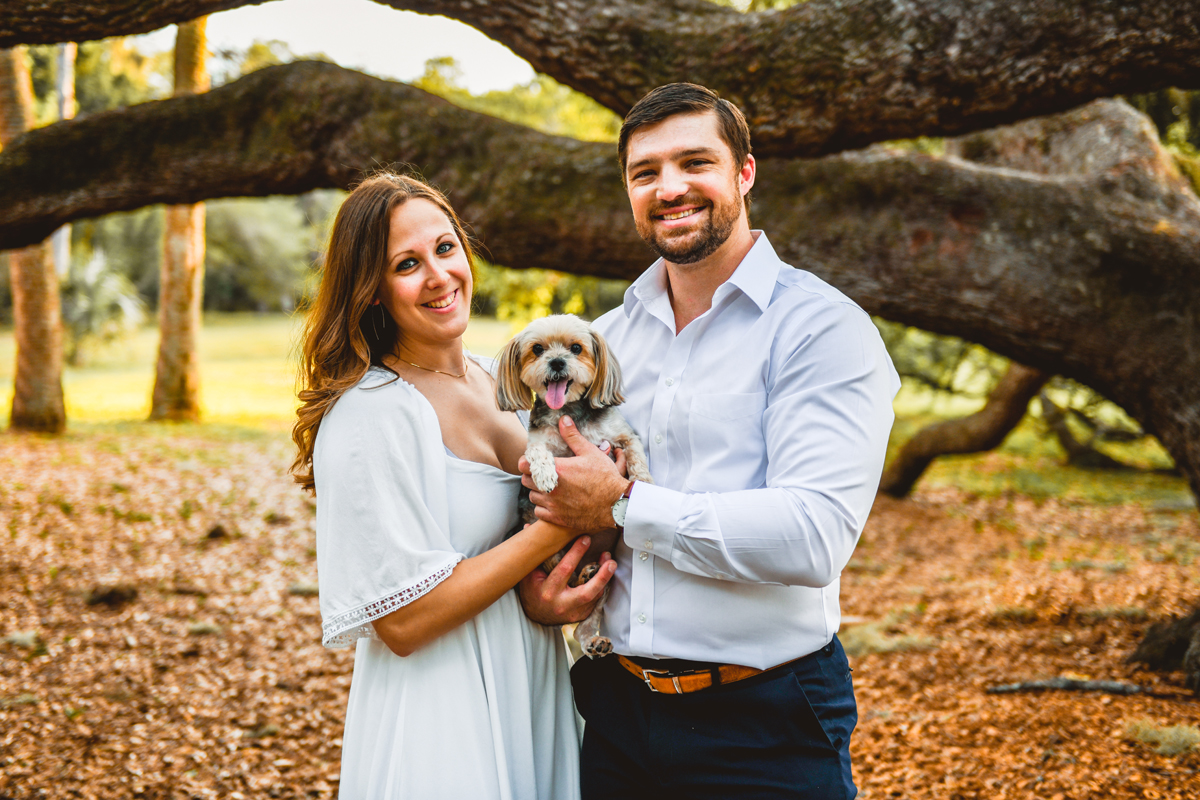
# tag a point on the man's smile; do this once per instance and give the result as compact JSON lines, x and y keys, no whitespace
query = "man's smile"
{"x":673,"y":215}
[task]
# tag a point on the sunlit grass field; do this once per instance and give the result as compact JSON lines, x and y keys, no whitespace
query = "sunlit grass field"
{"x":248,"y":379}
{"x":248,"y":372}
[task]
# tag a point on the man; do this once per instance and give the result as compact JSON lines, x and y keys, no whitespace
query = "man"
{"x":763,"y":396}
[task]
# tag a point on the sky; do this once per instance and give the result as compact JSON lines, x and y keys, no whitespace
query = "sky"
{"x":362,"y":35}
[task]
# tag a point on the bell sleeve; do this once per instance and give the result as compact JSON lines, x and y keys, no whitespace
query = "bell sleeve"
{"x":382,"y":513}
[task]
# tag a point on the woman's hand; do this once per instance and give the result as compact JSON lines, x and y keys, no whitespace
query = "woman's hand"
{"x":550,"y":600}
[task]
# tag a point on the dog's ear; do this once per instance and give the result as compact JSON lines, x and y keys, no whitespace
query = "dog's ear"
{"x":606,"y":383}
{"x":511,"y":393}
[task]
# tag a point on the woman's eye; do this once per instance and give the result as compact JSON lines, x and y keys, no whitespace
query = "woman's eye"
{"x":576,"y":349}
{"x":445,"y":247}
{"x":538,"y":349}
{"x":406,"y":264}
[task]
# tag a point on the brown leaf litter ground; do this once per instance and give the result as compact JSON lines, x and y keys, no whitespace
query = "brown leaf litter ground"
{"x":210,"y":681}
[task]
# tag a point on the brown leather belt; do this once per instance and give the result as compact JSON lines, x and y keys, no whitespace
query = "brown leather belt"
{"x":687,"y":681}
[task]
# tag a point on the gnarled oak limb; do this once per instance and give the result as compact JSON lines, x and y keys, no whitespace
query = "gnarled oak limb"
{"x":1079,"y":257}
{"x":983,"y":430}
{"x":820,"y":77}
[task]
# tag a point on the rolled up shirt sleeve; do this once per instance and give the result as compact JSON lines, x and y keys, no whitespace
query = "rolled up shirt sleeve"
{"x":825,"y":427}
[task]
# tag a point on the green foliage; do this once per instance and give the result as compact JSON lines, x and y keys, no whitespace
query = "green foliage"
{"x":259,"y":251}
{"x":132,"y":243}
{"x":522,"y":295}
{"x":542,"y":104}
{"x":935,"y":365}
{"x":99,"y":306}
{"x":230,"y":64}
{"x":109,"y":73}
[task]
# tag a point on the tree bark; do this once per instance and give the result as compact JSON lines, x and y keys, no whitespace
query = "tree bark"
{"x":983,"y":430}
{"x":1172,"y":645}
{"x":37,"y":316}
{"x":1076,"y":257}
{"x":181,"y":287}
{"x":820,"y":77}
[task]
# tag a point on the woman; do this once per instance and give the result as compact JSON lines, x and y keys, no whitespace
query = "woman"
{"x":455,"y":693}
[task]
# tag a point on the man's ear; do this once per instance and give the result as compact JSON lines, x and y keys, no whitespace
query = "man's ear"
{"x":746,"y":175}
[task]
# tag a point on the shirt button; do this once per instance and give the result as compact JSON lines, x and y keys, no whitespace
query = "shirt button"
{"x":670,"y":381}
{"x":643,"y":555}
{"x":642,"y":618}
{"x":649,"y":545}
{"x":658,"y":438}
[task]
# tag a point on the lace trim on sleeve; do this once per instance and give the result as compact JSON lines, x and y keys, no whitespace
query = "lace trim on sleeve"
{"x":350,"y":626}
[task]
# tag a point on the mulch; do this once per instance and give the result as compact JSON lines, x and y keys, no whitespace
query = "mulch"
{"x":159,"y":637}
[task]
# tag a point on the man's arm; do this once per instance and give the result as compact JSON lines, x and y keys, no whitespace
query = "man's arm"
{"x":829,"y":412}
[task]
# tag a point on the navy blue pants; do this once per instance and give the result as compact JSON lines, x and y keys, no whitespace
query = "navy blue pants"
{"x":785,"y":733}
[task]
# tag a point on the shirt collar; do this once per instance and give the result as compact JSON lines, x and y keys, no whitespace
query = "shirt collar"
{"x":755,"y":277}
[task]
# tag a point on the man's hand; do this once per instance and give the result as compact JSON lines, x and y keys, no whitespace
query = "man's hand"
{"x":588,"y":484}
{"x":548,"y":599}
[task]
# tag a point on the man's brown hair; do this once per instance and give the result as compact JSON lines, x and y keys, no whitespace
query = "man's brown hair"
{"x":686,"y":98}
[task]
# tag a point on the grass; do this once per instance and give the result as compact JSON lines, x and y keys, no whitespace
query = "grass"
{"x":1170,"y":740}
{"x":248,"y":374}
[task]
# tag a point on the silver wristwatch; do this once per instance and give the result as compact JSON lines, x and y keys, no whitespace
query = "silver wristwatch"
{"x":622,"y":504}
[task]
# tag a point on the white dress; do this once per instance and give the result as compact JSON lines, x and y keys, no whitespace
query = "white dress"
{"x":484,"y":711}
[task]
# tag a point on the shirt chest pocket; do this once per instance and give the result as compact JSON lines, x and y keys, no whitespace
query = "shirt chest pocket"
{"x":725,"y":433}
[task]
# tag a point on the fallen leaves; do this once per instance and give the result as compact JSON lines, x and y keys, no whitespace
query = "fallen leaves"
{"x":211,"y":681}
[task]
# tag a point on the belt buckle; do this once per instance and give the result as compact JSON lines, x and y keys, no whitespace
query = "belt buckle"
{"x":658,"y":673}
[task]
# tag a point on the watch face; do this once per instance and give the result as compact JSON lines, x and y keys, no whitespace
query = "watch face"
{"x":618,"y":511}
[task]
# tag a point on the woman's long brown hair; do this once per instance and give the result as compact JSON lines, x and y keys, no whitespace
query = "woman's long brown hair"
{"x":344,"y":334}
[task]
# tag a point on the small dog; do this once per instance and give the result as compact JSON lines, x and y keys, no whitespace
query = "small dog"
{"x":560,"y":366}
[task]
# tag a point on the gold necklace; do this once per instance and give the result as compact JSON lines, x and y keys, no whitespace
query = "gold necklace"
{"x":440,"y":372}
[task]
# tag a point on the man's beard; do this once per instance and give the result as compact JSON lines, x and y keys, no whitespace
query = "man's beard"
{"x":695,"y":245}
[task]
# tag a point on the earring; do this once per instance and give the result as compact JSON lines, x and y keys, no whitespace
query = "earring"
{"x":382,"y":320}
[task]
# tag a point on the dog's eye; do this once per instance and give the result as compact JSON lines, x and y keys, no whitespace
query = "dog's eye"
{"x":538,"y":349}
{"x":576,"y":349}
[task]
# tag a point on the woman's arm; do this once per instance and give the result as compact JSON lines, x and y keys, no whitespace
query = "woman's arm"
{"x":474,"y":585}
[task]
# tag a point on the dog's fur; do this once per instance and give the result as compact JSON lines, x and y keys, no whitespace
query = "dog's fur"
{"x":549,"y":351}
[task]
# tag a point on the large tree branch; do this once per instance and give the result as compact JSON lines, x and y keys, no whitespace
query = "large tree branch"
{"x":1090,"y":272}
{"x":821,"y":77}
{"x":983,"y":430}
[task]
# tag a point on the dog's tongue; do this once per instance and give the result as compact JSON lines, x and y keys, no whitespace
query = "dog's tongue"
{"x":556,"y":394}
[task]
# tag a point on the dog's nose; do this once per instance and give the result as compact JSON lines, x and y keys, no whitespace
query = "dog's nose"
{"x":558,"y":364}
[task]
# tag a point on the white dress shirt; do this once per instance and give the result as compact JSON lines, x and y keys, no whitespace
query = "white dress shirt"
{"x":766,"y":421}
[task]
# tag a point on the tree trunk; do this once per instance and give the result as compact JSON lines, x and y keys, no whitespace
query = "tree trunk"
{"x":820,"y":77}
{"x":60,"y":240}
{"x":983,"y":430}
{"x":1173,"y":645}
{"x":37,"y":316}
{"x":181,"y":288}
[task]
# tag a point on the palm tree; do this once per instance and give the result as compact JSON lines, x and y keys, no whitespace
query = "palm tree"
{"x":38,"y":395}
{"x":177,"y":376}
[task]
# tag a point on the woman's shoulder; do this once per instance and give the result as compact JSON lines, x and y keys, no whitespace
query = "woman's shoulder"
{"x":381,"y":399}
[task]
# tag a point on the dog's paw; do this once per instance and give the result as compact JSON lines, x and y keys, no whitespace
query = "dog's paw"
{"x":588,"y":572}
{"x":545,"y":476}
{"x":598,"y":647}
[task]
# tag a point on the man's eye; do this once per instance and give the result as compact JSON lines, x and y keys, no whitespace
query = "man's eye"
{"x":576,"y":349}
{"x":538,"y":349}
{"x":445,"y":247}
